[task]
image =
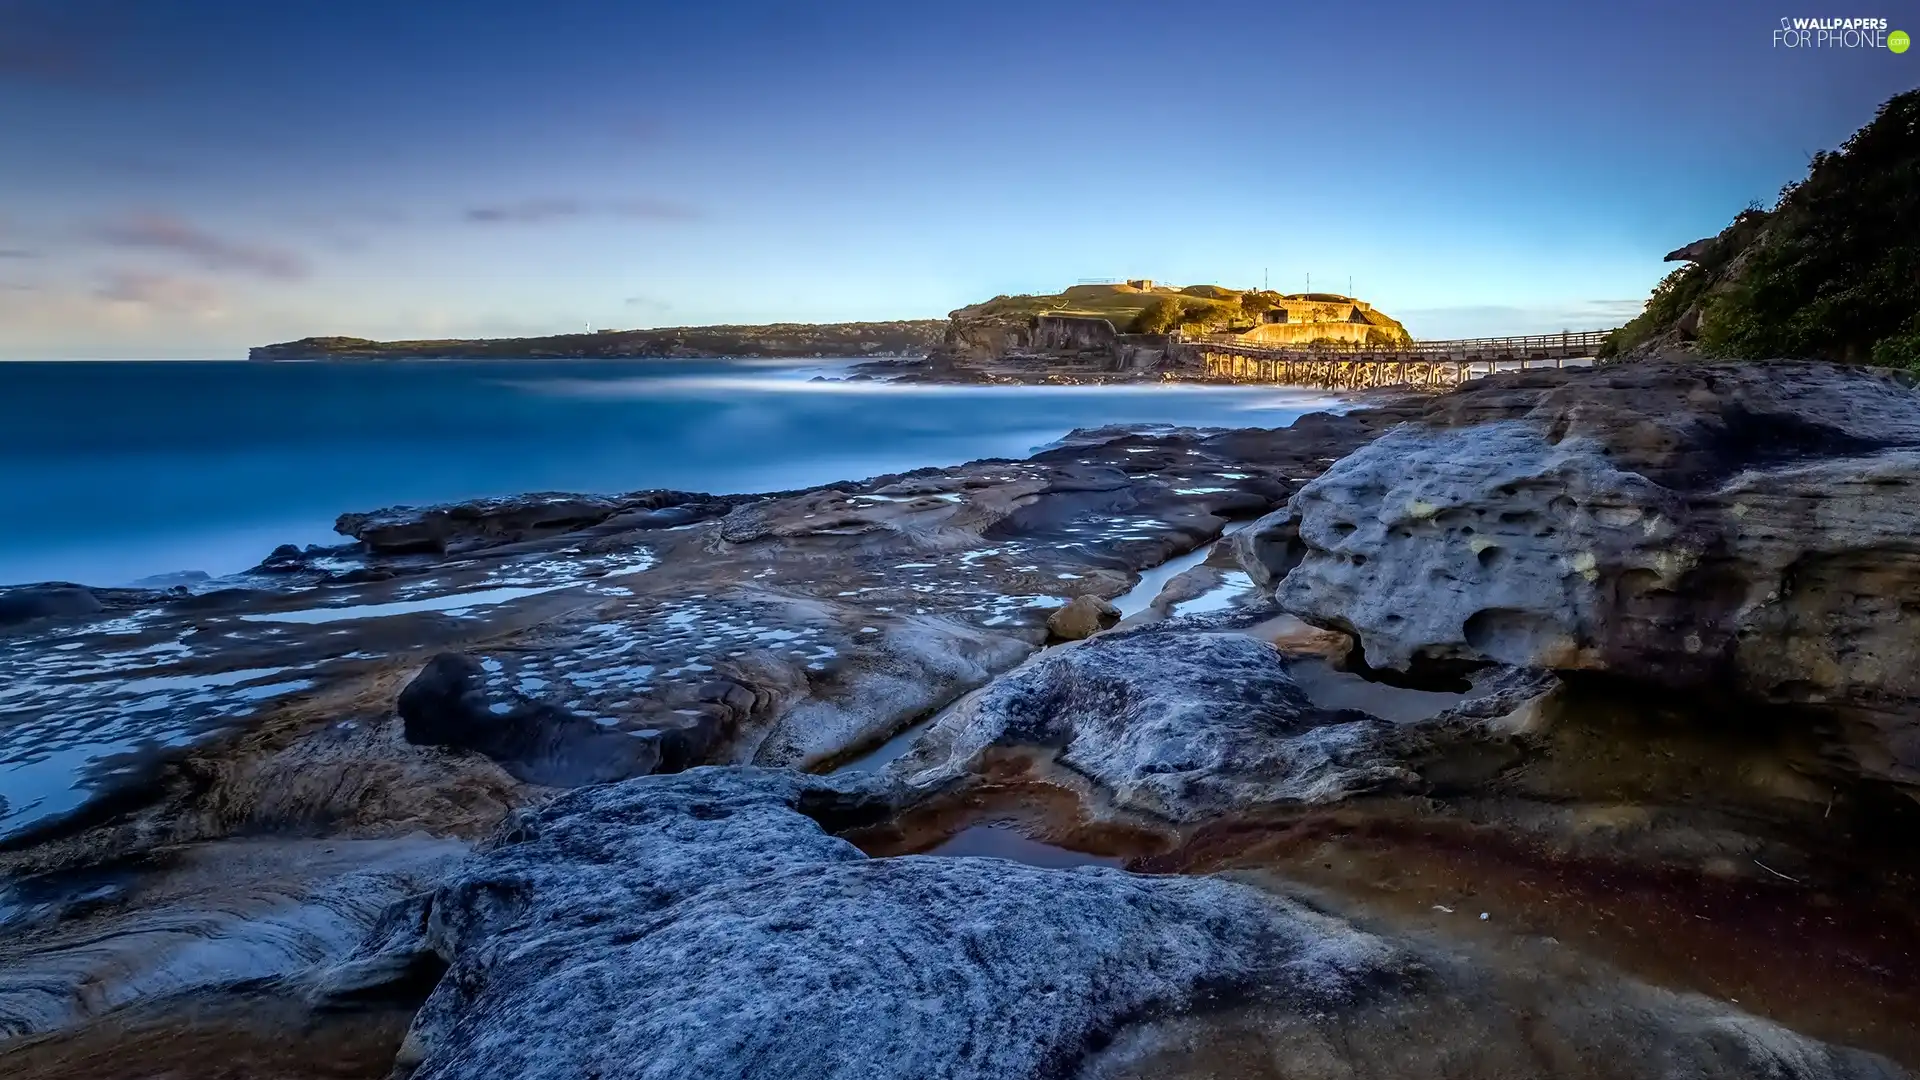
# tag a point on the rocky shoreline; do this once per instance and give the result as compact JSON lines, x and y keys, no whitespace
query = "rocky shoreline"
{"x":1563,"y":724}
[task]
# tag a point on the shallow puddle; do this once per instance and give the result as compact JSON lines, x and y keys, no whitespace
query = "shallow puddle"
{"x":1331,"y":688}
{"x":1001,"y":841}
{"x":886,"y":753}
{"x":1152,"y":580}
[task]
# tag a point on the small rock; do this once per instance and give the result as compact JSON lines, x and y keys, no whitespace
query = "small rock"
{"x":1082,"y":617}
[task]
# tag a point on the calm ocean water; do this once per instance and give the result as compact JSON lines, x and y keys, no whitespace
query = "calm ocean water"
{"x":111,"y":472}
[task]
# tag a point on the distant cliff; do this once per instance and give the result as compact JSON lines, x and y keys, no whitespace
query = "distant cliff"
{"x":905,"y":338}
{"x":1007,"y":323}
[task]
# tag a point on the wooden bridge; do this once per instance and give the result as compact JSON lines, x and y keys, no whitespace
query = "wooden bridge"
{"x":1339,"y":366}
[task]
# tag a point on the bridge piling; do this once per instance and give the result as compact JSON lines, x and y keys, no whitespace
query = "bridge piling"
{"x":1419,"y":363}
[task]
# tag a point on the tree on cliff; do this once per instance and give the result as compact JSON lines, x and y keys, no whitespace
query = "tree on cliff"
{"x":1160,"y":317}
{"x":1832,"y":271}
{"x":1255,"y":305}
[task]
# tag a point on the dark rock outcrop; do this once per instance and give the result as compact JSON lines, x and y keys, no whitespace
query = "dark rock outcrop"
{"x":52,"y":601}
{"x":447,"y":705}
{"x":457,"y":526}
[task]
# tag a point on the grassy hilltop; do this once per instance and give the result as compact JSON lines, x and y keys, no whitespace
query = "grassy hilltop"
{"x":1194,"y":308}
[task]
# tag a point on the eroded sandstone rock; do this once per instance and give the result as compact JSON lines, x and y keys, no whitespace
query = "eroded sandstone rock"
{"x":1748,"y":526}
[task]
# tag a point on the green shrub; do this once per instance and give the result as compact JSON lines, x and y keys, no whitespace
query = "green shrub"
{"x":1900,"y":351}
{"x":1255,"y":305}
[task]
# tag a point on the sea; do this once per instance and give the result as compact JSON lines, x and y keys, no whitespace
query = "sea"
{"x":123,"y":473}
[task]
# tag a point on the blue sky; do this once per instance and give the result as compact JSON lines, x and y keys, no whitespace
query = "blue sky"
{"x":191,"y":177}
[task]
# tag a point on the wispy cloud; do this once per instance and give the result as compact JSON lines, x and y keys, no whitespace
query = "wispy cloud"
{"x":163,"y":232}
{"x":162,"y":291}
{"x":18,"y":253}
{"x":535,"y":211}
{"x":649,"y":303}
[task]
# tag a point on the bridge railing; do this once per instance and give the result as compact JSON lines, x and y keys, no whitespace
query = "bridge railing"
{"x":1522,"y":345}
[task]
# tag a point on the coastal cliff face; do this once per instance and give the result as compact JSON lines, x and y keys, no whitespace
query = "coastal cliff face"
{"x":1562,"y":724}
{"x":874,"y":339}
{"x":1121,"y":324}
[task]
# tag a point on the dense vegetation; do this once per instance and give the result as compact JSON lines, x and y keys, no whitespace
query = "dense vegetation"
{"x":1831,"y":272}
{"x":909,"y":338}
{"x":1166,"y":314}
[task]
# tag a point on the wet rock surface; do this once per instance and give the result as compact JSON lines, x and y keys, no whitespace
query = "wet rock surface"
{"x":783,"y":630}
{"x":542,"y":764}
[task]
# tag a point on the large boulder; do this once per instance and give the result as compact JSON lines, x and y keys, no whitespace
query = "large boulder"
{"x":1750,"y":527}
{"x":708,"y":924}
